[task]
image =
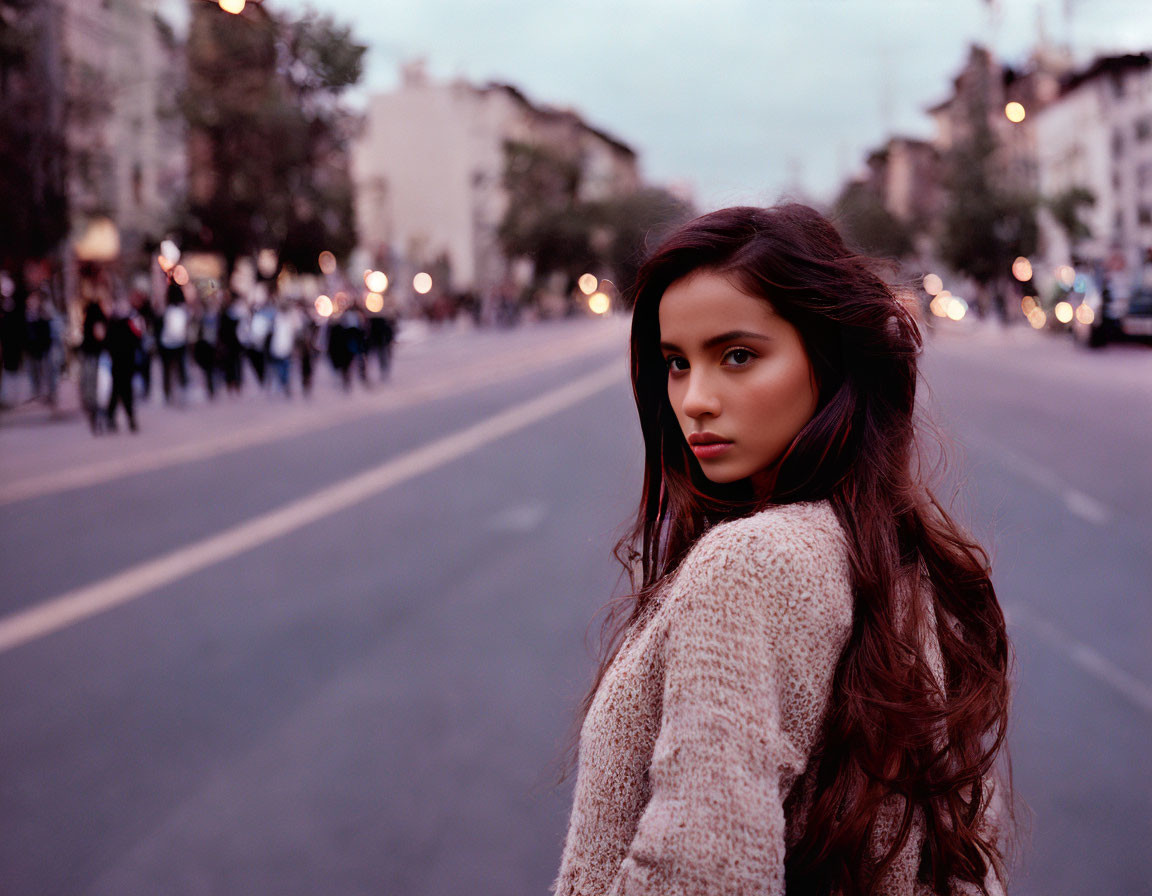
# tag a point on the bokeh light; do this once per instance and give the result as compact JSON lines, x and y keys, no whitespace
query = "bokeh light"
{"x":376,"y":281}
{"x":327,"y":262}
{"x":180,"y":275}
{"x":932,"y":284}
{"x":588,"y":283}
{"x":1015,"y":112}
{"x":324,"y":306}
{"x":1084,"y":314}
{"x":1037,"y":318}
{"x":957,"y":308}
{"x":1063,"y":312}
{"x":599,"y":303}
{"x":374,"y":302}
{"x":267,"y":262}
{"x":170,"y":252}
{"x":233,"y":6}
{"x":1022,"y":269}
{"x":422,"y":283}
{"x":1027,"y":304}
{"x":1066,"y":275}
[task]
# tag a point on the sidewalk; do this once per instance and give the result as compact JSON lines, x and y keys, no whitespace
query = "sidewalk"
{"x":43,"y":451}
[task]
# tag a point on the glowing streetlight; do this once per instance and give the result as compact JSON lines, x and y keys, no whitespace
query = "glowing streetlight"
{"x":1084,"y":314}
{"x":324,"y":306}
{"x":1022,"y":269}
{"x":374,"y":302}
{"x":599,"y":303}
{"x":422,"y":283}
{"x":1014,"y":111}
{"x":932,"y":284}
{"x":1063,"y":312}
{"x":376,"y":281}
{"x":587,"y":283}
{"x":233,"y":6}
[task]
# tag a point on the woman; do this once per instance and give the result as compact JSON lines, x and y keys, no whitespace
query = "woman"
{"x":808,"y":690}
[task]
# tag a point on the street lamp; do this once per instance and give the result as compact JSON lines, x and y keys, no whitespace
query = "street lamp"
{"x":1014,"y":112}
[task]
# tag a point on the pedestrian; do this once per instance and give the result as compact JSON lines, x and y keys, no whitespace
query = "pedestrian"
{"x":145,"y":314}
{"x":381,"y":335}
{"x":174,"y":344}
{"x":282,"y":343}
{"x":42,"y":347}
{"x":122,"y":344}
{"x":204,"y":348}
{"x":808,"y":689}
{"x":306,"y":347}
{"x":233,"y":326}
{"x":92,"y":332}
{"x":259,"y":331}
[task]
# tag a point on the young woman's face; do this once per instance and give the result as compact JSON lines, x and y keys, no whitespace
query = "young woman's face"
{"x":739,"y":378}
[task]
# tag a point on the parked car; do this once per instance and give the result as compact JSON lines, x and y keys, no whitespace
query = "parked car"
{"x":1113,"y":317}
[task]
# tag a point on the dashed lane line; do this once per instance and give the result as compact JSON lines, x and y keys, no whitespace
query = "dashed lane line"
{"x":82,"y":603}
{"x":1075,"y":501}
{"x":458,"y":382}
{"x":1088,"y":659}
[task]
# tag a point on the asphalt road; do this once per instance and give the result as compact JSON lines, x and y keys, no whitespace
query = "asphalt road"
{"x":272,"y":647}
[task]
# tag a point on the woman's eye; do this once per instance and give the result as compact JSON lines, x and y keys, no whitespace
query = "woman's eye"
{"x":675,"y":364}
{"x":737,"y":357}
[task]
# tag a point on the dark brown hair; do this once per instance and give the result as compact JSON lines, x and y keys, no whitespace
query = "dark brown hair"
{"x":892,"y":727}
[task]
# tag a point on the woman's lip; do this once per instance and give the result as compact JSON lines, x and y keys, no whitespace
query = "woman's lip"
{"x":709,"y":450}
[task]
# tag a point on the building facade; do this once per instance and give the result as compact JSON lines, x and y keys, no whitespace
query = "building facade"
{"x":428,"y":170}
{"x":1098,"y":136}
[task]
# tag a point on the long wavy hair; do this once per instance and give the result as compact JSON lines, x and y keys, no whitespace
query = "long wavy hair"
{"x":892,"y":726}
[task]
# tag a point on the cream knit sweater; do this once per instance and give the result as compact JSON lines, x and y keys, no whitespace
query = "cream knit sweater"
{"x":693,"y":755}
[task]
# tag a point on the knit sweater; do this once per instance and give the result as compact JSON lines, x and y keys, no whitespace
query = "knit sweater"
{"x":694,"y":753}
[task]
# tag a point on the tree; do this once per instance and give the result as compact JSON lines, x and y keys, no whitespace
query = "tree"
{"x":1066,"y":207}
{"x":267,"y":135}
{"x":868,"y":225}
{"x":546,"y":219}
{"x":33,"y":150}
{"x":986,"y":224}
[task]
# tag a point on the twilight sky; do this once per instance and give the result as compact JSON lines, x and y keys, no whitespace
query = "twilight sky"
{"x":741,"y":99}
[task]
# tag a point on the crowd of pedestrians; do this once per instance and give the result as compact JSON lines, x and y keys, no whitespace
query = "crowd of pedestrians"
{"x":224,"y":339}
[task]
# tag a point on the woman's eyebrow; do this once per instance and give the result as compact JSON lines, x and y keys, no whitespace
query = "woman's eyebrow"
{"x":720,"y":339}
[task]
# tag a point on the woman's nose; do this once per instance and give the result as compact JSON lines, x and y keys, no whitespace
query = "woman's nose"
{"x":700,"y":398}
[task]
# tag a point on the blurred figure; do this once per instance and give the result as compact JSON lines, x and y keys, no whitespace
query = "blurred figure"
{"x":230,"y":342}
{"x":42,"y":347}
{"x":205,"y":348}
{"x":282,"y":343}
{"x":122,"y":344}
{"x":346,"y":345}
{"x":306,"y":345}
{"x":93,"y":332}
{"x":259,"y":332}
{"x":174,"y":342}
{"x":146,"y":317}
{"x":381,"y":336}
{"x":11,"y":343}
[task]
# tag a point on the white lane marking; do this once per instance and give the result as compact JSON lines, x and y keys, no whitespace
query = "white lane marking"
{"x":153,"y":458}
{"x":1077,"y":502}
{"x":1088,"y":659}
{"x":74,"y":606}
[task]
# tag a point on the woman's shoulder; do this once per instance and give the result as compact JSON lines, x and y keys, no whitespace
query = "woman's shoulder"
{"x":787,"y":556}
{"x":804,"y":534}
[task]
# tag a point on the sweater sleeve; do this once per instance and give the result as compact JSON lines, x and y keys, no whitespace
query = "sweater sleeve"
{"x":758,"y":628}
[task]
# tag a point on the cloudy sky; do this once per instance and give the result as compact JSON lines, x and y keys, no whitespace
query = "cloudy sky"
{"x":741,"y":99}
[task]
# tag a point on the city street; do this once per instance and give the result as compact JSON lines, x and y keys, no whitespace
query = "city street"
{"x":335,"y":646}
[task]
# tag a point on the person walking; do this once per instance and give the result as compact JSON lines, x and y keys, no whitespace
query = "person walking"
{"x":42,"y":347}
{"x":174,"y":345}
{"x":282,"y":343}
{"x":807,"y":691}
{"x":92,"y":333}
{"x":122,"y":344}
{"x":205,"y":347}
{"x":233,"y":324}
